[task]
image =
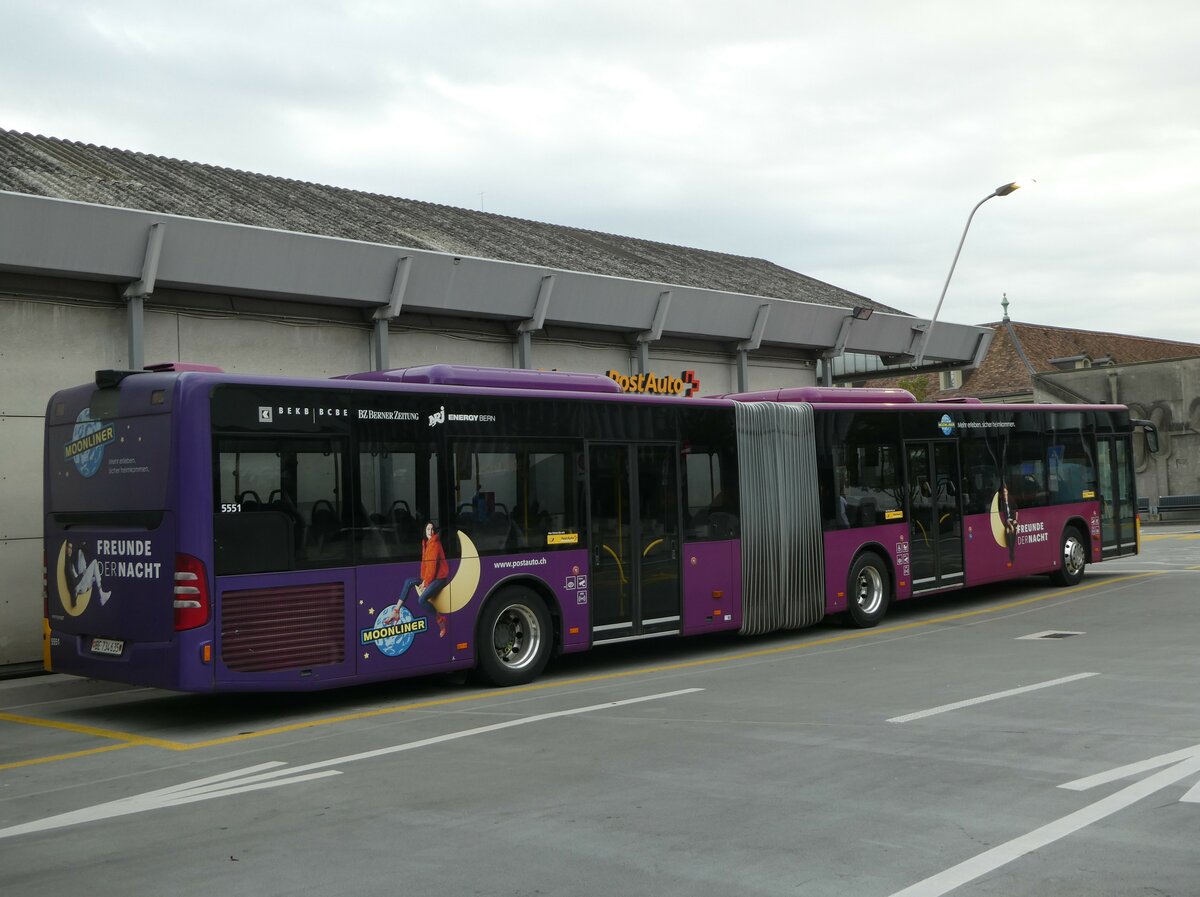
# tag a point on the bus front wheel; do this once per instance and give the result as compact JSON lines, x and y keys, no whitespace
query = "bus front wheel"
{"x":515,"y":637}
{"x":868,"y":590}
{"x":1073,"y":557}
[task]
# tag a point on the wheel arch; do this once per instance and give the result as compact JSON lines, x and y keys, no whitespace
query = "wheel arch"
{"x":878,"y":550}
{"x":1077,"y":522}
{"x":540,"y":588}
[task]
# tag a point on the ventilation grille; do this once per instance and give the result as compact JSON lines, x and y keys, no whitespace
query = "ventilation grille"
{"x":288,"y":627}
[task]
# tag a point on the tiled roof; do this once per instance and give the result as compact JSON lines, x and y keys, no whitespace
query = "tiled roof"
{"x":50,"y":167}
{"x":1018,"y":351}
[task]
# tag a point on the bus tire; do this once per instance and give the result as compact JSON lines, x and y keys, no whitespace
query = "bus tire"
{"x":515,"y":637}
{"x":868,"y":591}
{"x":1073,"y":557}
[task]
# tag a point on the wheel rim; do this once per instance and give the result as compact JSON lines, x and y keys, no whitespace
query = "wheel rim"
{"x":1073,"y":556}
{"x":868,"y":590}
{"x":516,"y":636}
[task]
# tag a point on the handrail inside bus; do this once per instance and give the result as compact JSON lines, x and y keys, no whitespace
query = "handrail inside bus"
{"x":620,"y":566}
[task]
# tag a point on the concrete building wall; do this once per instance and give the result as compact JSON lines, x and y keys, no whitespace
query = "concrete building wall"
{"x":1165,"y":392}
{"x":47,"y":344}
{"x":44,"y":346}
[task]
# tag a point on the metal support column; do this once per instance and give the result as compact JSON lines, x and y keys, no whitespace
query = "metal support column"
{"x":379,"y":345}
{"x":135,"y":297}
{"x":384,"y":314}
{"x":526,"y":328}
{"x":654,"y":334}
{"x":745,"y":347}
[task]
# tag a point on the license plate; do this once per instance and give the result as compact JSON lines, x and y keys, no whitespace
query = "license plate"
{"x":107,"y":646}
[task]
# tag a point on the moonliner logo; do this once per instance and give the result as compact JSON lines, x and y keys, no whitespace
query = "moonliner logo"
{"x":88,"y":439}
{"x":946,"y":425}
{"x":394,"y":630}
{"x":392,"y":635}
{"x":438,"y":418}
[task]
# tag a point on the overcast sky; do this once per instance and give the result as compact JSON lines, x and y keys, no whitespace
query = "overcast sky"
{"x":848,"y":141}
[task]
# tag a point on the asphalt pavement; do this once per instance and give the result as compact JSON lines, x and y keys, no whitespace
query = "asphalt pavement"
{"x":1017,"y":739}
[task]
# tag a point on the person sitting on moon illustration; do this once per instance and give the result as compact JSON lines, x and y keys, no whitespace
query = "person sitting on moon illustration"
{"x":1008,"y":515}
{"x":435,"y":573}
{"x":82,"y":574}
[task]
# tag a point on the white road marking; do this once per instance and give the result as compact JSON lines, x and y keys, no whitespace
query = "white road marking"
{"x":1180,"y":765}
{"x":1047,"y":632}
{"x":269,"y":775}
{"x":957,"y":705}
{"x":1130,"y":770}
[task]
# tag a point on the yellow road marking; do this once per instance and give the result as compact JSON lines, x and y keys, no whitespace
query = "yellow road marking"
{"x":70,"y":756}
{"x":87,"y":730}
{"x":130,"y":739}
{"x":1155,"y":538}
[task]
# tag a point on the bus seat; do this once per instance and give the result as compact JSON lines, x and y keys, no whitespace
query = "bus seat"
{"x":258,"y":544}
{"x":323,"y":526}
{"x":866,"y":512}
{"x":283,"y":505}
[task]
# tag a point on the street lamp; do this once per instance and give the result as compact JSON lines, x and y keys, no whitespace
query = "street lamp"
{"x":999,"y":191}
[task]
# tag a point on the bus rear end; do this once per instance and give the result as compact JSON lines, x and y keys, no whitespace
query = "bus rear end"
{"x":122,"y":603}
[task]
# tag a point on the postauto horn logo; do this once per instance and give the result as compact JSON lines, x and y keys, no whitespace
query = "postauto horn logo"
{"x":88,"y":440}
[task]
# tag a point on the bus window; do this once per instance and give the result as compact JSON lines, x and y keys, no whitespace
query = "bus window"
{"x":279,"y":504}
{"x":510,"y":497}
{"x":980,"y":472}
{"x":1071,"y":468}
{"x":398,"y":495}
{"x":711,"y":493}
{"x":857,"y":469}
{"x":867,"y":484}
{"x":1025,"y":470}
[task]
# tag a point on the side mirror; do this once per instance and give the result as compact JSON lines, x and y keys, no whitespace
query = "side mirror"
{"x":1151,"y":433}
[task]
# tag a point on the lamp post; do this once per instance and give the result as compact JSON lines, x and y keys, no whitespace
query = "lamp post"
{"x":999,"y":191}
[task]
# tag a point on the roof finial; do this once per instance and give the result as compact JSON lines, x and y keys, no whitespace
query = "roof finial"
{"x":1005,"y":304}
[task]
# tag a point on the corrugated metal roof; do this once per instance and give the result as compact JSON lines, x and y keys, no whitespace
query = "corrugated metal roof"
{"x":62,"y":169}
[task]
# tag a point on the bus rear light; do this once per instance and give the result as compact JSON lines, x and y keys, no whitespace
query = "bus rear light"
{"x":191,"y":593}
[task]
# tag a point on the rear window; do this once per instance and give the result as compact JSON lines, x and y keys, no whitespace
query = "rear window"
{"x":100,"y":463}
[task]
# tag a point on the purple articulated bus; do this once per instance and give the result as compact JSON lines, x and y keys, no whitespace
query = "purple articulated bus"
{"x":215,"y":532}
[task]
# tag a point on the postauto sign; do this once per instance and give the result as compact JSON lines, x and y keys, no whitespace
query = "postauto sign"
{"x":687,"y":384}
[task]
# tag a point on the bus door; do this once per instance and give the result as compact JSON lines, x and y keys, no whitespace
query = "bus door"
{"x":1118,"y":533}
{"x":634,"y":514}
{"x":934,"y":514}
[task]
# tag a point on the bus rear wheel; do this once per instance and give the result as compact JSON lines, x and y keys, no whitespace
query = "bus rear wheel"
{"x":515,"y":637}
{"x":868,"y":591}
{"x":1073,"y":557}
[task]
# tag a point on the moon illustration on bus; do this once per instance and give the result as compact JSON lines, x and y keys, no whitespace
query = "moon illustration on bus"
{"x":65,"y":592}
{"x":461,"y":588}
{"x":998,"y":532}
{"x":402,"y":626}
